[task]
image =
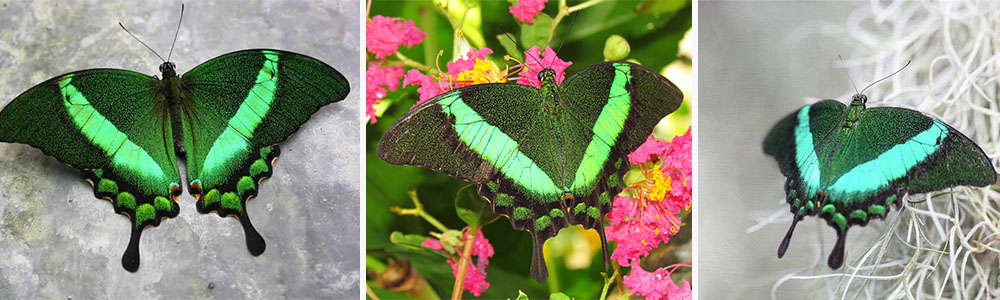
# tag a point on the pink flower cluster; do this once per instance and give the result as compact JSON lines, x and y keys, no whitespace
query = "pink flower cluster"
{"x":638,"y":225}
{"x":656,"y":285}
{"x":526,"y":10}
{"x":429,"y":88}
{"x":379,"y":81}
{"x":384,"y":35}
{"x":475,"y":274}
{"x":537,"y":62}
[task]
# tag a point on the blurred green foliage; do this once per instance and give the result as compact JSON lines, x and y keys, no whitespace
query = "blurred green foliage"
{"x":652,"y":30}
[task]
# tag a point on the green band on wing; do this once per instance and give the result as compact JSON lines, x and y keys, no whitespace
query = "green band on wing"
{"x":893,"y":164}
{"x":497,"y":148}
{"x":805,"y":154}
{"x":234,"y":139}
{"x":609,"y":125}
{"x":124,"y":154}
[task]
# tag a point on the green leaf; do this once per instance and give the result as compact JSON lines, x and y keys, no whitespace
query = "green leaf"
{"x":616,"y":48}
{"x":521,"y":295}
{"x":537,"y":34}
{"x":559,"y":296}
{"x":471,"y":208}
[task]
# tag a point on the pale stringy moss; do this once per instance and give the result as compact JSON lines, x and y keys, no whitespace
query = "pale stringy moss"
{"x":944,"y":244}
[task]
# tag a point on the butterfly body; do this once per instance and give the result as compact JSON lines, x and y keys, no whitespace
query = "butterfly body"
{"x":125,"y":130}
{"x":546,"y":157}
{"x":849,"y":164}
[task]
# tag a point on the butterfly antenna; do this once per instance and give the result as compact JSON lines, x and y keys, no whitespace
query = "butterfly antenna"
{"x":181,"y":19}
{"x":140,"y":41}
{"x":887,"y":77}
{"x":518,"y":45}
{"x":565,"y":35}
{"x":848,"y":74}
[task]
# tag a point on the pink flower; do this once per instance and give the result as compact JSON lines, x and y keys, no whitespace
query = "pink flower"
{"x":467,"y":61}
{"x":383,"y":35}
{"x":475,"y":274}
{"x":429,"y":87}
{"x":379,"y":81}
{"x":536,"y":63}
{"x":526,"y":10}
{"x":656,"y":285}
{"x":641,"y":224}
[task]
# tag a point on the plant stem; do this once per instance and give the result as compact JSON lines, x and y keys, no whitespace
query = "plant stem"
{"x":565,"y":10}
{"x":463,"y":263}
{"x":412,"y":63}
{"x":418,"y":210}
{"x":607,"y":283}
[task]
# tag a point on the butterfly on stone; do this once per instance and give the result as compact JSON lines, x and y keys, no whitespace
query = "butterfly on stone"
{"x":850,"y":164}
{"x":545,"y":157}
{"x":125,"y":131}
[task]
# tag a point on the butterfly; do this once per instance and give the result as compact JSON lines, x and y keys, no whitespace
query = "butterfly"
{"x":125,"y":130}
{"x":545,"y":157}
{"x":850,"y":164}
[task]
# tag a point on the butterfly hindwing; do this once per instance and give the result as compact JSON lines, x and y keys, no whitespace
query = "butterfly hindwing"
{"x":236,"y":109}
{"x":114,"y":126}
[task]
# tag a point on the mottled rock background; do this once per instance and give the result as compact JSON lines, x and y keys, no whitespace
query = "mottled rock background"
{"x":58,"y":241}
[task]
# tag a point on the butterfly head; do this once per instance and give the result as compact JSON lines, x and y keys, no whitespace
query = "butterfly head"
{"x":547,"y":75}
{"x":859,"y":100}
{"x":167,"y":68}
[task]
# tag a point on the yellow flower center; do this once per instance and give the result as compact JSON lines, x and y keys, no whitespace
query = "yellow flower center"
{"x":656,"y":185}
{"x":482,"y":72}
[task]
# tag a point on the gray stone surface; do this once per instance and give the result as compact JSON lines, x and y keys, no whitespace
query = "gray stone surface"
{"x":58,"y":241}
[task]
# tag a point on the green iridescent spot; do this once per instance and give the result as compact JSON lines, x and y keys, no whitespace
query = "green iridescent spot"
{"x":231,"y":201}
{"x":125,"y":199}
{"x":522,"y":213}
{"x":265,"y":151}
{"x":505,"y":200}
{"x":245,"y":184}
{"x":492,"y":186}
{"x":144,"y":213}
{"x":840,"y":220}
{"x":810,"y":206}
{"x":556,"y":213}
{"x":580,"y":207}
{"x":613,"y":180}
{"x":258,"y":167}
{"x":802,"y":211}
{"x":593,"y":212}
{"x":99,"y":173}
{"x":542,"y":223}
{"x":604,"y":198}
{"x":106,"y":186}
{"x":792,"y":193}
{"x":890,"y":200}
{"x":797,"y":203}
{"x":859,"y":214}
{"x":876,"y":209}
{"x":162,"y":204}
{"x":618,"y":163}
{"x":828,"y":209}
{"x":211,"y":197}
